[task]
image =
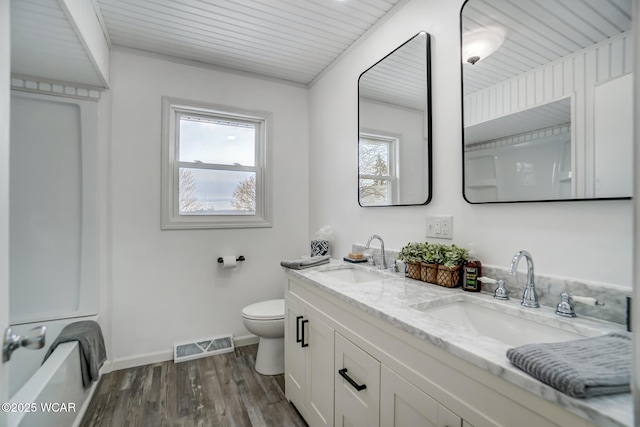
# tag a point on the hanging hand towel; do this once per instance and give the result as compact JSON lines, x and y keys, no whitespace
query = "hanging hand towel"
{"x":92,"y":349}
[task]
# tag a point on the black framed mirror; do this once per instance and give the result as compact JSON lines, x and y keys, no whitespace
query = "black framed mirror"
{"x":394,"y":127}
{"x":547,"y":100}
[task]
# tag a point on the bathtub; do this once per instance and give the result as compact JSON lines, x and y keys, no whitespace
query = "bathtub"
{"x":51,"y":395}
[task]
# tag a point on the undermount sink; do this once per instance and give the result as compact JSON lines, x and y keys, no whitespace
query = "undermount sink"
{"x":497,"y":324}
{"x":352,"y":275}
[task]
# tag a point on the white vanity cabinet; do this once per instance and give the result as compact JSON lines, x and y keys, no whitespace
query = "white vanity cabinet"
{"x":409,"y":381}
{"x":327,"y":374}
{"x":309,"y":345}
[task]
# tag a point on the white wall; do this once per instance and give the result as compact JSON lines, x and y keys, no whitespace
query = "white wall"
{"x":583,"y":240}
{"x":5,"y":71}
{"x":166,"y":285}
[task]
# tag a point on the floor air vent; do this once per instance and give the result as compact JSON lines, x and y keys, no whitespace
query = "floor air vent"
{"x":202,"y":348}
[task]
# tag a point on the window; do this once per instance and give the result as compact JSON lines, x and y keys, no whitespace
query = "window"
{"x":377,"y":169}
{"x":214,"y":167}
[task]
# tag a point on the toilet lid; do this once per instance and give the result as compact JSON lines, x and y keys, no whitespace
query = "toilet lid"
{"x":265,"y":310}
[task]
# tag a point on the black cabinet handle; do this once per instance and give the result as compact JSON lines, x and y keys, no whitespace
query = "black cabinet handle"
{"x":303,"y":344}
{"x":343,"y":374}
{"x":298,"y":339}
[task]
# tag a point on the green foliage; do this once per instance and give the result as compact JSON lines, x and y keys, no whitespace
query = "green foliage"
{"x":412,"y":252}
{"x":454,"y":256}
{"x":434,"y":253}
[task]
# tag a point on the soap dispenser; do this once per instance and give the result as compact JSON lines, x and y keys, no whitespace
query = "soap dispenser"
{"x":472,"y":271}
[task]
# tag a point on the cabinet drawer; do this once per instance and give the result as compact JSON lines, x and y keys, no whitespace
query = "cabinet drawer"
{"x":357,"y":385}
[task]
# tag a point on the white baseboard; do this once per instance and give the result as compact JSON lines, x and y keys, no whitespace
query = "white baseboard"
{"x":162,"y":356}
{"x":245,"y":340}
{"x":140,"y":360}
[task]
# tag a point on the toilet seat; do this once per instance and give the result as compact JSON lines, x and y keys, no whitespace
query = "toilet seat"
{"x":265,"y":310}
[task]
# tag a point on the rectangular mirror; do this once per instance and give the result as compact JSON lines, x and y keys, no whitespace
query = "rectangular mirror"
{"x":394,"y":124}
{"x":547,"y":100}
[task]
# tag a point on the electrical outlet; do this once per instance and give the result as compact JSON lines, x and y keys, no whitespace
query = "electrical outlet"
{"x":440,"y":226}
{"x":445,"y":226}
{"x":437,"y":228}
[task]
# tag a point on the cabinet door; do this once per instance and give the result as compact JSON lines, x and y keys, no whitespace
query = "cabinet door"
{"x":446,"y":418}
{"x":319,"y":341}
{"x":403,"y":404}
{"x":294,"y":355}
{"x":357,"y":386}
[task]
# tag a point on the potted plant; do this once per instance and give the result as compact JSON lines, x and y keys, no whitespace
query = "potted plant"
{"x":432,"y":257}
{"x":453,"y":258}
{"x":412,"y":253}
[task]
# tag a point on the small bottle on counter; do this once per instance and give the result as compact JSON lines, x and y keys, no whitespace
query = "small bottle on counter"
{"x":471,"y":271}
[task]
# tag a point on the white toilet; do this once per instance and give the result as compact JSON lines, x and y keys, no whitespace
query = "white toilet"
{"x":266,"y":320}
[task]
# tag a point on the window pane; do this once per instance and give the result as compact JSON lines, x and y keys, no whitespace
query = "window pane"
{"x":216,"y":141}
{"x":374,"y":158}
{"x":375,"y":192}
{"x":216,"y":192}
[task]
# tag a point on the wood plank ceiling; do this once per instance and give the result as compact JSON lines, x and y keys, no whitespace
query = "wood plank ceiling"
{"x":45,"y":45}
{"x":400,"y":78}
{"x":295,"y":40}
{"x":292,"y":40}
{"x":538,"y":32}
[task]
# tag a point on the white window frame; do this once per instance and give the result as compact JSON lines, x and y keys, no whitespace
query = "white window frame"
{"x":172,"y":109}
{"x":393,"y":142}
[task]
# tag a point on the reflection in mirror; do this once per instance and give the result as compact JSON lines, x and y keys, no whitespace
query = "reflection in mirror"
{"x":394,"y":120}
{"x":547,"y":100}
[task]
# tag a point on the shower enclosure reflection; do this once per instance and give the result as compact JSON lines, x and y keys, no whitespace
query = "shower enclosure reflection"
{"x":394,"y":149}
{"x":524,"y":155}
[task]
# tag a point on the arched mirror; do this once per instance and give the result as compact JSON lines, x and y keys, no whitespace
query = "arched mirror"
{"x":547,"y":100}
{"x":394,"y":125}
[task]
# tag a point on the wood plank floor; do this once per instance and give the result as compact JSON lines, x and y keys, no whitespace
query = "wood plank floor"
{"x":221,"y":390}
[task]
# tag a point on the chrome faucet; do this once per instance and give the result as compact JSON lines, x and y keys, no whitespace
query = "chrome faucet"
{"x":529,"y":297}
{"x":383,"y":265}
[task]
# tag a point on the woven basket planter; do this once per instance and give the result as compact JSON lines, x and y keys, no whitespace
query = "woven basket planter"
{"x":428,"y":272}
{"x":449,"y":277}
{"x":413,"y":270}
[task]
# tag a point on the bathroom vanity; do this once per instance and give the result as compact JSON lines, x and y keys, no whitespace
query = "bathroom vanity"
{"x":364,"y":347}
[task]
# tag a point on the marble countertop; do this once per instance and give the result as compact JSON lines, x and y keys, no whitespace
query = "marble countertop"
{"x":397,"y":300}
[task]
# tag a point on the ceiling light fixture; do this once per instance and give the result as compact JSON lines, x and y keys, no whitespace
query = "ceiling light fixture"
{"x":479,"y":44}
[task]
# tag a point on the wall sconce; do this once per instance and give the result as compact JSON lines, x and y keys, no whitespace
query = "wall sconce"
{"x":477,"y":45}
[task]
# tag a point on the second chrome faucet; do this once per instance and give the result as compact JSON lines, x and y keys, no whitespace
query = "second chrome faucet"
{"x":530,"y":296}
